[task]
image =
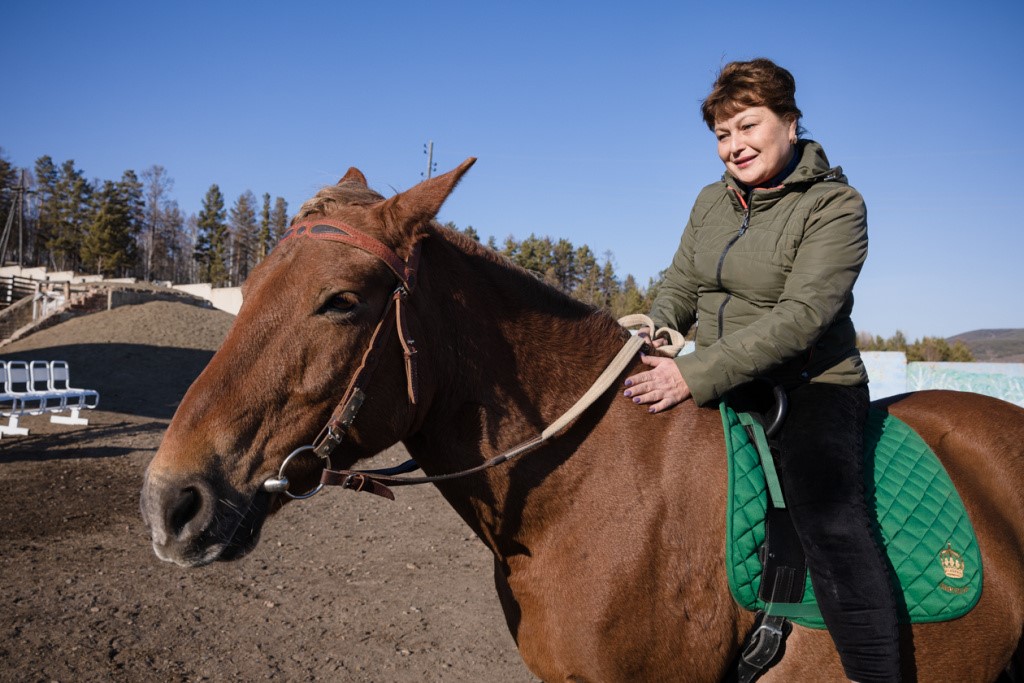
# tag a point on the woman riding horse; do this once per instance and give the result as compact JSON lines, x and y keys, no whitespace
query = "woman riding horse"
{"x":767,"y":264}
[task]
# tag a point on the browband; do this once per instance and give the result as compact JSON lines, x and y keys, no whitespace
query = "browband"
{"x":336,"y":231}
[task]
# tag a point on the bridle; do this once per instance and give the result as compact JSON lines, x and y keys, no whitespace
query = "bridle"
{"x":333,"y":433}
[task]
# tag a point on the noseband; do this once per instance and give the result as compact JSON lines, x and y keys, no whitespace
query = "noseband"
{"x":344,"y":414}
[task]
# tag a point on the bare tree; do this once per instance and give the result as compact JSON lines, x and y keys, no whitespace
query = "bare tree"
{"x":158,"y":188}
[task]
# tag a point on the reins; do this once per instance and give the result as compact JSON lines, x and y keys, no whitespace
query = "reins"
{"x":378,"y":481}
{"x":333,"y":433}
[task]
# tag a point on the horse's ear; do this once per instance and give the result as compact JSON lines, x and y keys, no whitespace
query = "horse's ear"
{"x":419,"y":204}
{"x":353,"y":175}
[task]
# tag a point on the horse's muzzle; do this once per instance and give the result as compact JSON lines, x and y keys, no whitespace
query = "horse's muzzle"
{"x":191,"y":525}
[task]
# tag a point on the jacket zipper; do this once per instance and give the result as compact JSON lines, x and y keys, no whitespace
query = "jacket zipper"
{"x":721,"y":262}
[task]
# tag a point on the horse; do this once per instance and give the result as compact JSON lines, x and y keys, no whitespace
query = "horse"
{"x":609,"y":560}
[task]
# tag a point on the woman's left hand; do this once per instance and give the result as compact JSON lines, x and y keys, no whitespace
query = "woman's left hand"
{"x":662,"y":386}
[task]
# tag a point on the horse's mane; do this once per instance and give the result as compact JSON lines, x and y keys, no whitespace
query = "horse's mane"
{"x":542,"y":295}
{"x":343,"y":194}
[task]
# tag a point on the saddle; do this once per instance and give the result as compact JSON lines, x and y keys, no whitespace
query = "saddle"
{"x":921,"y":521}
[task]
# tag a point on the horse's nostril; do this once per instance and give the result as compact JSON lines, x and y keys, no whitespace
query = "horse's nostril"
{"x":184,"y":510}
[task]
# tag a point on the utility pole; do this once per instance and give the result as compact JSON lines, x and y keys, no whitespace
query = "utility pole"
{"x":428,"y":149}
{"x":17,"y":205}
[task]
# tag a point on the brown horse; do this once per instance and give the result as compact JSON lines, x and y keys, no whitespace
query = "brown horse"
{"x":608,"y":539}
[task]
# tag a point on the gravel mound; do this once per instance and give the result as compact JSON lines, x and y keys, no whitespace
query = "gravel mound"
{"x":140,"y":358}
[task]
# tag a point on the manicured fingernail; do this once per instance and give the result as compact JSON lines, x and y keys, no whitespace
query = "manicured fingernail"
{"x":627,"y":393}
{"x":629,"y":383}
{"x":652,"y":410}
{"x":636,"y":400}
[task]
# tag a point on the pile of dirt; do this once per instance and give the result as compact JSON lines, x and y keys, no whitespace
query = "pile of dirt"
{"x":342,"y":588}
{"x":140,"y":358}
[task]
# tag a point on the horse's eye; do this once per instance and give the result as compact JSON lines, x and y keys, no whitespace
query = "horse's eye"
{"x":342,"y":303}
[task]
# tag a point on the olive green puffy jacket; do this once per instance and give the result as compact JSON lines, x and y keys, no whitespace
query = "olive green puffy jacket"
{"x":770,"y":286}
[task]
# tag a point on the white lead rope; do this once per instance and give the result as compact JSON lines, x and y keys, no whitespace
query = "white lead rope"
{"x":616,"y":366}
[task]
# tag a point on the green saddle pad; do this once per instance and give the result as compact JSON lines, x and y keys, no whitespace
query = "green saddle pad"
{"x":927,"y":534}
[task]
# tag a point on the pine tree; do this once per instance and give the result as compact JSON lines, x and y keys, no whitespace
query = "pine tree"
{"x":628,"y":300}
{"x":211,"y":248}
{"x":9,"y":178}
{"x":588,"y":288}
{"x":279,"y":219}
{"x":243,"y":237}
{"x":564,"y":257}
{"x":263,"y":243}
{"x":108,"y":245}
{"x":73,"y":202}
{"x":48,"y":211}
{"x":8,"y":181}
{"x":607,"y":283}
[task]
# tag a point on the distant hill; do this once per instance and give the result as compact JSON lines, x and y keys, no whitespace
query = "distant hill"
{"x":994,"y":346}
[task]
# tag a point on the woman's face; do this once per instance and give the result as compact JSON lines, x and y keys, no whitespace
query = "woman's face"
{"x":755,"y":144}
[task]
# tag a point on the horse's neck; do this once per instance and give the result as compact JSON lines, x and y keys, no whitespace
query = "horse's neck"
{"x":509,"y":358}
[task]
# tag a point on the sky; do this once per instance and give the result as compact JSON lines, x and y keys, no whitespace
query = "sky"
{"x":584,"y":117}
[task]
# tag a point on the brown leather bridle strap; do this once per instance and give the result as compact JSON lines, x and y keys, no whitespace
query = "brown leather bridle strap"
{"x":345,"y":413}
{"x":337,"y":231}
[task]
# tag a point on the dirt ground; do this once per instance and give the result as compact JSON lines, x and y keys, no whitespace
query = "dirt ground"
{"x":342,"y":587}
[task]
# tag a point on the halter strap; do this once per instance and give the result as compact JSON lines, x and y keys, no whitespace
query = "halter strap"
{"x":337,"y":231}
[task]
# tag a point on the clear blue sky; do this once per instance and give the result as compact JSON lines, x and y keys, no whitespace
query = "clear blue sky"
{"x":584,"y":116}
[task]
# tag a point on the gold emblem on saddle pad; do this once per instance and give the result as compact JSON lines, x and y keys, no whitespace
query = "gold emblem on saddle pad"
{"x":952,"y":562}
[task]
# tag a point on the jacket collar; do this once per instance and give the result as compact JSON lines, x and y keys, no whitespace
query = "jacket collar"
{"x":812,"y":167}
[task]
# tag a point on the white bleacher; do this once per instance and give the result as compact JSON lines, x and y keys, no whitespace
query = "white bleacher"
{"x":40,"y":388}
{"x":74,"y":399}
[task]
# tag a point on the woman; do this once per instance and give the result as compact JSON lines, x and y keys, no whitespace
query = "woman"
{"x":766,"y":267}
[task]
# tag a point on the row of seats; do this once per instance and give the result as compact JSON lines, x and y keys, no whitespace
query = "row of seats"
{"x":41,"y":387}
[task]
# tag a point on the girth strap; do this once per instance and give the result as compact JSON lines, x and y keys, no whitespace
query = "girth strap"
{"x":762,"y":648}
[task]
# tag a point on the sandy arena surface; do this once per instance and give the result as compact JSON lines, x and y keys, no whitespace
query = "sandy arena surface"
{"x":342,"y":587}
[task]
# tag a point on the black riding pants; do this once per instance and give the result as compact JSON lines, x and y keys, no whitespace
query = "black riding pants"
{"x":821,"y":468}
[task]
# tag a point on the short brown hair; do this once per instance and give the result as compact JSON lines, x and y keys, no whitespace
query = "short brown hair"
{"x":757,"y":83}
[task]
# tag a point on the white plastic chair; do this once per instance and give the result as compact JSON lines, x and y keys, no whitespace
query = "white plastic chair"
{"x":42,"y":386}
{"x":17,"y":386}
{"x":75,"y":399}
{"x":10,"y":407}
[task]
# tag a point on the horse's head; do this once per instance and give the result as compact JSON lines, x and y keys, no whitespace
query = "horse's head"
{"x":309,"y":312}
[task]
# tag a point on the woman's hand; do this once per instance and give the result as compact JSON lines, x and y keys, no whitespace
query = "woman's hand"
{"x":662,"y":386}
{"x":645,"y":332}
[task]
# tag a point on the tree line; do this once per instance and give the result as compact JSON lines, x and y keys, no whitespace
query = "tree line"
{"x":577,"y":271}
{"x":132,"y":227}
{"x":926,"y":349}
